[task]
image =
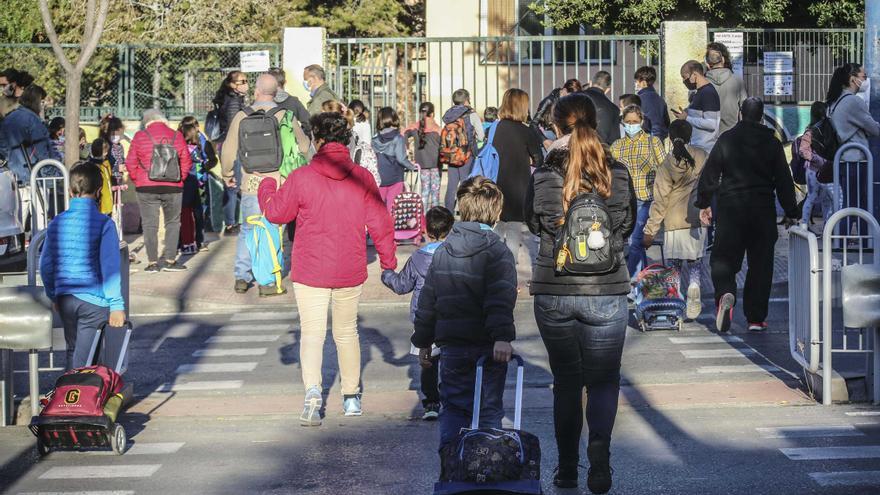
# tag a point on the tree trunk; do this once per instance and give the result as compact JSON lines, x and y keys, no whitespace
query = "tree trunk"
{"x":71,"y":118}
{"x":157,"y":82}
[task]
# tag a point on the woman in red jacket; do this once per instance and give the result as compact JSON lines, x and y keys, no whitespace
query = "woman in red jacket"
{"x":334,"y":203}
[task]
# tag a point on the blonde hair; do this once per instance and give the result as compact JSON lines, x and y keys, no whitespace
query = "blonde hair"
{"x":514,"y":105}
{"x":337,"y":107}
{"x":480,"y":200}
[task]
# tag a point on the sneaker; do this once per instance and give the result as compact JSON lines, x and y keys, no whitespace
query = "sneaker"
{"x":173,"y":266}
{"x":694,"y":304}
{"x":432,"y":411}
{"x":271,"y":290}
{"x":152,"y":268}
{"x":565,"y":477}
{"x":311,"y":415}
{"x":241,"y":286}
{"x":725,"y":312}
{"x":758,"y":327}
{"x":203,"y":248}
{"x":231,"y":230}
{"x":352,"y":405}
{"x":189,"y":249}
{"x":599,"y":476}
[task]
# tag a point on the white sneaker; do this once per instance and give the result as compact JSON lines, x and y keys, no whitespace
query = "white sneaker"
{"x":311,"y":415}
{"x":352,"y":406}
{"x":694,"y":304}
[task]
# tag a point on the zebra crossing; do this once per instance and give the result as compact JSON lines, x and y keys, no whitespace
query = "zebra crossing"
{"x":701,"y":349}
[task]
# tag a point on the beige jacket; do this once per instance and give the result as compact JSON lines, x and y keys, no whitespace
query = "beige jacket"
{"x":675,"y":191}
{"x":229,"y":151}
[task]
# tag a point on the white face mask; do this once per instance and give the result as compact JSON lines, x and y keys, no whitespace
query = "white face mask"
{"x":115,"y":139}
{"x":865,"y":86}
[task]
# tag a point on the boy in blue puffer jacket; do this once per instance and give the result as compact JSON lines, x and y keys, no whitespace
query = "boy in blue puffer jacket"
{"x":439,"y":222}
{"x":80,"y":266}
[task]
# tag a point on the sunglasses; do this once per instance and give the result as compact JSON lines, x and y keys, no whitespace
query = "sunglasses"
{"x":241,"y":83}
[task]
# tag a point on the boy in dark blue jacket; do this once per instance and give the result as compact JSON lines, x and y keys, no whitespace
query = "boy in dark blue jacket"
{"x":439,"y":222}
{"x":80,"y":266}
{"x":466,"y":309}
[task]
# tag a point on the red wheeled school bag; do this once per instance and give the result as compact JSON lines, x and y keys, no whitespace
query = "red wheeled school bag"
{"x":83,"y":392}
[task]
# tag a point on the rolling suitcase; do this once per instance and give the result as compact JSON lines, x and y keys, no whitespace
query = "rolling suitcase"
{"x":408,"y":213}
{"x":659,"y":304}
{"x":81,"y":412}
{"x":492,"y":460}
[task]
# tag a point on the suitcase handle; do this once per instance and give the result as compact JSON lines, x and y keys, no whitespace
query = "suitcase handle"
{"x":478,"y":389}
{"x":99,"y":334}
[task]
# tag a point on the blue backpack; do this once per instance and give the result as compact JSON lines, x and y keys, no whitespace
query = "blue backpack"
{"x":487,"y":161}
{"x":264,"y":245}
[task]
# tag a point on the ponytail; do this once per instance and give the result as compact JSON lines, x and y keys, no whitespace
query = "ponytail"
{"x":680,"y":152}
{"x":840,"y":80}
{"x":422,"y":140}
{"x":587,"y":169}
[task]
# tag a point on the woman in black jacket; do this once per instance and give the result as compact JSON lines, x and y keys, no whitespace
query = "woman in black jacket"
{"x":582,"y":319}
{"x":519,"y":149}
{"x":229,"y":100}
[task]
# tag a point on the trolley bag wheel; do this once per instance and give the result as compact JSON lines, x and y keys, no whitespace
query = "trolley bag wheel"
{"x":680,"y":324}
{"x":118,"y":439}
{"x":42,"y":448}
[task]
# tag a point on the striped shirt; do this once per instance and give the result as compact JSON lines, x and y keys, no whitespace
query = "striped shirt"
{"x":642,"y":155}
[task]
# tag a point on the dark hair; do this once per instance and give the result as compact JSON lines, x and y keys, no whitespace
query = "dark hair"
{"x":188,"y":120}
{"x":225,"y":87}
{"x":55,"y":126}
{"x":108,"y":125}
{"x":544,"y":113}
{"x":630,"y":99}
{"x":97,"y":147}
{"x":460,"y":96}
{"x":439,"y":222}
{"x":190,"y":133}
{"x":85,"y":179}
{"x":840,"y":80}
{"x":330,"y":127}
{"x":818,"y":111}
{"x":22,"y":79}
{"x":386,"y":119}
{"x":573,"y":86}
{"x":359,"y":110}
{"x":680,"y":132}
{"x":647,"y":74}
{"x":752,"y":109}
{"x":602,"y":79}
{"x":426,"y":108}
{"x":490,"y":114}
{"x":693,"y":66}
{"x":32,"y":98}
{"x":10,"y":74}
{"x":722,"y":50}
{"x":575,"y":114}
{"x":279,"y":74}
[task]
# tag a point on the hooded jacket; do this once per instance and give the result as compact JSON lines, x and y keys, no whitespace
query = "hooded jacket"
{"x":473,"y":125}
{"x":675,"y":191}
{"x":390,"y":148}
{"x":291,"y":103}
{"x":732,"y":92}
{"x":853,"y":123}
{"x":412,"y":277}
{"x":469,"y":292}
{"x":22,"y":131}
{"x":752,"y":162}
{"x":334,"y":203}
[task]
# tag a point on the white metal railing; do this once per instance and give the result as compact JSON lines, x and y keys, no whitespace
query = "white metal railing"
{"x":851,"y":189}
{"x":45,"y":193}
{"x":804,"y":330}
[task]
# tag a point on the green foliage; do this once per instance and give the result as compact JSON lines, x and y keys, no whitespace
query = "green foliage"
{"x":838,"y":13}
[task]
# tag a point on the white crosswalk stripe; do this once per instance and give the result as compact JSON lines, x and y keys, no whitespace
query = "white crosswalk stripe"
{"x":241,"y":339}
{"x":711,"y":339}
{"x":99,"y":472}
{"x":717,"y":353}
{"x":848,"y":478}
{"x":263,"y":316}
{"x":139,"y":448}
{"x":256,"y":351}
{"x":810,"y":431}
{"x":203,"y":385}
{"x":111,"y":492}
{"x":184,"y":369}
{"x":832,"y":453}
{"x":863,"y":413}
{"x":273,"y":327}
{"x":737,"y":368}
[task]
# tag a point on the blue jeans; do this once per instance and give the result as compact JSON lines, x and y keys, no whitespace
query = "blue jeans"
{"x":584,"y":337}
{"x":250,"y":205}
{"x":458,"y":371}
{"x":824,"y":193}
{"x":231,"y":201}
{"x":637,"y":259}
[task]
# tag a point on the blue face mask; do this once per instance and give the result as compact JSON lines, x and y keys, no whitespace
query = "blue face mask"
{"x":632,"y":129}
{"x":306,"y":87}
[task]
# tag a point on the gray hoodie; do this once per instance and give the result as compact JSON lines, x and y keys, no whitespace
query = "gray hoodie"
{"x":732,"y":92}
{"x":853,"y":123}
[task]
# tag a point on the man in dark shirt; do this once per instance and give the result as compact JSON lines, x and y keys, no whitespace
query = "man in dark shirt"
{"x":289,"y":102}
{"x":653,"y":105}
{"x":607,"y":113}
{"x":745,"y":173}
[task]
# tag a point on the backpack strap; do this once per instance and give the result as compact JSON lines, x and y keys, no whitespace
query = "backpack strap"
{"x":274,"y":111}
{"x":837,"y":103}
{"x":492,"y":129}
{"x":248,"y":111}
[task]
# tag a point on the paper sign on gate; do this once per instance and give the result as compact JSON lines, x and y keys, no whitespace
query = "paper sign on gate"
{"x":254,"y":61}
{"x":778,"y":85}
{"x":734,"y":43}
{"x":778,"y":62}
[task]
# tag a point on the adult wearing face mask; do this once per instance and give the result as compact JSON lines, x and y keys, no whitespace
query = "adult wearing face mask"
{"x":316,"y":85}
{"x":849,"y":113}
{"x":642,"y":154}
{"x":731,"y":89}
{"x":704,"y":111}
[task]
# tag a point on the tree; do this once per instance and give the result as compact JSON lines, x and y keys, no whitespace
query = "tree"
{"x":93,"y":27}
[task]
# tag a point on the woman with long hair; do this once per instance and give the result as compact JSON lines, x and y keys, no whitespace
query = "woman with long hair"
{"x":582,"y":318}
{"x":361,"y":129}
{"x":390,"y":149}
{"x":426,"y":136}
{"x":848,"y":111}
{"x":228,"y":101}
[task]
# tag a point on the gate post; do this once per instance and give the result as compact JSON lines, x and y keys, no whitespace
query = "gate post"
{"x":872,"y":69}
{"x":680,"y":41}
{"x":302,"y":47}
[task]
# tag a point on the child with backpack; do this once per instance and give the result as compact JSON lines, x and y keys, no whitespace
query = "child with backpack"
{"x":426,"y":134}
{"x":490,"y":115}
{"x":192,"y":215}
{"x":412,"y":279}
{"x":390,"y":148}
{"x":462,"y":130}
{"x":98,"y":156}
{"x":809,"y":157}
{"x":79,"y":265}
{"x":469,"y":317}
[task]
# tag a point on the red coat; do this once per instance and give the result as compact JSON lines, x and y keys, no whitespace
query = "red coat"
{"x":334,"y":202}
{"x":140,"y":153}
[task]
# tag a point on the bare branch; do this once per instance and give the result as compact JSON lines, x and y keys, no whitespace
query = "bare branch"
{"x":90,"y":21}
{"x":92,"y":43}
{"x":53,"y":36}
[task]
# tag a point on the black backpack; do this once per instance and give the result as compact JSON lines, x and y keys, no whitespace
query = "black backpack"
{"x":164,"y":161}
{"x":212,"y":125}
{"x":825,"y":143}
{"x":798,"y":172}
{"x":259,"y":141}
{"x":575,"y":252}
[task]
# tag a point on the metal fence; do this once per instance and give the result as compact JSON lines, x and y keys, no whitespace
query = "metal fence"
{"x":815,"y":52}
{"x":403,"y":72}
{"x":125,"y":79}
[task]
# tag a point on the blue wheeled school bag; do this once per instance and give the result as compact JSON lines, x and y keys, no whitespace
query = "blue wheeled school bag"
{"x":264,"y":245}
{"x":492,"y":460}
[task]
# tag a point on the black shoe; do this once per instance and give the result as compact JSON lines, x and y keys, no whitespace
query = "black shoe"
{"x":271,"y":290}
{"x":432,"y":411}
{"x":152,"y":268}
{"x":173,"y":266}
{"x":599,"y":475}
{"x":565,"y":477}
{"x":231,"y":230}
{"x":241,"y":286}
{"x":725,"y":312}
